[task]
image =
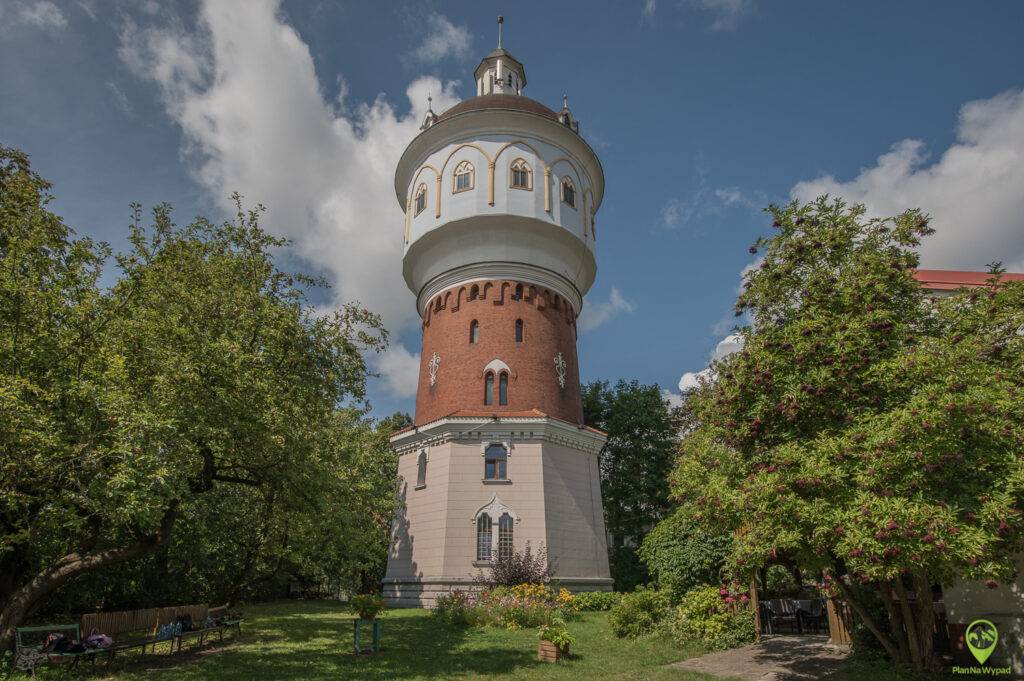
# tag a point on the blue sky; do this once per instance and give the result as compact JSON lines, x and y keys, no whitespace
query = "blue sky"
{"x":703,"y":111}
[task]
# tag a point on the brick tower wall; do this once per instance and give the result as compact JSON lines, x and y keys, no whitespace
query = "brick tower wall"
{"x":549,"y":328}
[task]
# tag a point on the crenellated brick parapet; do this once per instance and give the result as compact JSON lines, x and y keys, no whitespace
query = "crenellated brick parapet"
{"x":511,"y":340}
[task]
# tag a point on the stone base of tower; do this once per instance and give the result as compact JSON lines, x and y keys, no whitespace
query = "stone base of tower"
{"x":550,"y":498}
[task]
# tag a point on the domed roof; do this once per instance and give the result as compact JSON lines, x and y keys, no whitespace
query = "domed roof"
{"x":499,"y":102}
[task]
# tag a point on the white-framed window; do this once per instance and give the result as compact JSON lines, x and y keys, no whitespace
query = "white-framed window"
{"x":421,"y":199}
{"x":568,"y":193}
{"x":464,"y":174}
{"x":483,"y":537}
{"x":421,"y":469}
{"x":496,"y":462}
{"x":505,"y":529}
{"x":520,"y":175}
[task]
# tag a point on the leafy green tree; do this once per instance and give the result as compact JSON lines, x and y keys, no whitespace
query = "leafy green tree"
{"x":682,"y":554}
{"x":635,"y":462}
{"x":865,"y":430}
{"x":201,"y":372}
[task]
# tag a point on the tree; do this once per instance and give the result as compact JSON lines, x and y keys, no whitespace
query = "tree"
{"x":682,"y":554}
{"x":864,"y":430}
{"x":642,"y":434}
{"x":200,"y":374}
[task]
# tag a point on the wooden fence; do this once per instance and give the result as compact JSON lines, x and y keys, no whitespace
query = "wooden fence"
{"x":139,"y":620}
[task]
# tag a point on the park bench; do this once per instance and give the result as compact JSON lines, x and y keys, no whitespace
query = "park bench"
{"x":133,"y":629}
{"x":30,"y":641}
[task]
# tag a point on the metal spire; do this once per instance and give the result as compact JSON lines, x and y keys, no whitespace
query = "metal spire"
{"x":501,"y":20}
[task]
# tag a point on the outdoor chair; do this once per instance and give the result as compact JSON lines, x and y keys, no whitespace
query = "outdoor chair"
{"x":784,"y":611}
{"x":813,"y":614}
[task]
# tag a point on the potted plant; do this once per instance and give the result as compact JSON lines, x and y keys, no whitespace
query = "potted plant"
{"x":366,"y":607}
{"x":555,"y":640}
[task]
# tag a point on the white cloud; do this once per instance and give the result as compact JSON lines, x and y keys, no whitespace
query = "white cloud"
{"x":399,"y":369}
{"x":595,"y":313}
{"x":974,"y":191}
{"x":725,"y":14}
{"x":243,"y":89}
{"x":443,"y":39}
{"x":705,"y":201}
{"x":42,"y":14}
{"x":691,"y":379}
{"x":648,"y":10}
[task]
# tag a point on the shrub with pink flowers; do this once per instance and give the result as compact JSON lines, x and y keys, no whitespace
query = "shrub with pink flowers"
{"x":715,"y":617}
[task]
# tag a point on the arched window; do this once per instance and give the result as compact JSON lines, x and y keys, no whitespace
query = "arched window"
{"x":489,"y":389}
{"x":421,"y":199}
{"x":568,"y":193}
{"x":474,"y":331}
{"x":463,"y":177}
{"x":505,"y":523}
{"x":518,"y":295}
{"x":483,"y":537}
{"x":519,"y":331}
{"x":474,"y":292}
{"x":520,"y":175}
{"x":421,"y":469}
{"x":503,"y":389}
{"x":495,"y":463}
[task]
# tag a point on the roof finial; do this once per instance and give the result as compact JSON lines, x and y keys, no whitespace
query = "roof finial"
{"x":565,"y":101}
{"x":430,"y":102}
{"x":501,"y":20}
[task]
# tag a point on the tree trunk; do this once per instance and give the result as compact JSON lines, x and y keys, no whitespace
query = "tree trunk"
{"x":925,"y":621}
{"x":909,"y":623}
{"x":869,"y":622}
{"x":25,"y":599}
{"x":896,"y":628}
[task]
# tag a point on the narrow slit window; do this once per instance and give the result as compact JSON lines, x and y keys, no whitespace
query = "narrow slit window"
{"x":474,"y":331}
{"x":489,"y":389}
{"x":421,"y":470}
{"x":503,"y":389}
{"x":421,"y":199}
{"x":505,"y":523}
{"x":519,"y":331}
{"x":483,"y":537}
{"x":568,"y":193}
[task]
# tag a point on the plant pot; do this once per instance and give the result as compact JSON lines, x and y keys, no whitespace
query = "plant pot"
{"x":549,"y":652}
{"x":366,"y":636}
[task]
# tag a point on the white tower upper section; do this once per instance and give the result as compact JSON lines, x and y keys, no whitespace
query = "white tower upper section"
{"x":500,"y":186}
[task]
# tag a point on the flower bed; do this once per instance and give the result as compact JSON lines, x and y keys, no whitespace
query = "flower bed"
{"x":517,"y":607}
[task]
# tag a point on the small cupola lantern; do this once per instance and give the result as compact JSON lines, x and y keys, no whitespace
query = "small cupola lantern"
{"x":565,"y":116}
{"x":499,"y":73}
{"x":431,"y":117}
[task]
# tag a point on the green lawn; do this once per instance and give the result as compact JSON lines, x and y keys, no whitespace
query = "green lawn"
{"x":313,"y":640}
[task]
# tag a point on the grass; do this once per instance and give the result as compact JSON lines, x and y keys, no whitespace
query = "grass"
{"x":313,"y":640}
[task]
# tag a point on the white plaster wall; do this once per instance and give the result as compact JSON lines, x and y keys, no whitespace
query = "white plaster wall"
{"x":524,"y":494}
{"x":419,"y":526}
{"x":575,"y":520}
{"x":507,"y":201}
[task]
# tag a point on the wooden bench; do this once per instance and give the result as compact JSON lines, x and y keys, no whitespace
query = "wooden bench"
{"x":29,"y":643}
{"x":141,"y":628}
